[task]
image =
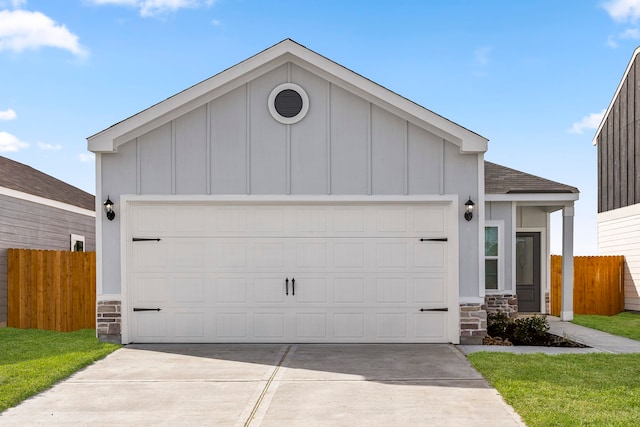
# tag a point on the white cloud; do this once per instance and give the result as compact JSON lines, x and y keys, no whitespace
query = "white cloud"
{"x":14,"y":4}
{"x":49,"y":147}
{"x":631,"y":33}
{"x":86,"y":157}
{"x":590,"y":122}
{"x":21,"y":29}
{"x":11,"y":143}
{"x":623,"y":10}
{"x":156,"y":7}
{"x":7,"y":115}
{"x":482,"y":55}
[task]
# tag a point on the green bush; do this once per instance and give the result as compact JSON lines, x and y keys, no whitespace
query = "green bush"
{"x":520,"y":331}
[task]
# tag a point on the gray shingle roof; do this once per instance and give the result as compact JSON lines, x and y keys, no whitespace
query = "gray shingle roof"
{"x":19,"y":177}
{"x":503,"y":180}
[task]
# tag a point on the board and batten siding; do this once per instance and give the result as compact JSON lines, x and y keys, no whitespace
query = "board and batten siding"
{"x":618,"y":145}
{"x":619,"y":234}
{"x":29,"y":225}
{"x":346,"y":145}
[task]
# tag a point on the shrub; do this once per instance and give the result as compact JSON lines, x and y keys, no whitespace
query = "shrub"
{"x":520,"y":331}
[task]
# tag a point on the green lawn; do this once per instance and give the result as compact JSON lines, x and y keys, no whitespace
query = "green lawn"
{"x":573,"y":389}
{"x":566,"y":390}
{"x":33,"y":360}
{"x":626,"y":324}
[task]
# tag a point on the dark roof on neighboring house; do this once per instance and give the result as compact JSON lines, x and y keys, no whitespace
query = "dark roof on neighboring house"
{"x":503,"y":180}
{"x":19,"y":177}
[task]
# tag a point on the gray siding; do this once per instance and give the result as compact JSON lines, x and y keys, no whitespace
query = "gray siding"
{"x":29,"y":225}
{"x":345,"y":145}
{"x":619,"y":147}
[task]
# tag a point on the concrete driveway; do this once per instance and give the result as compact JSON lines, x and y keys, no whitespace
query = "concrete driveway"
{"x":271,"y":385}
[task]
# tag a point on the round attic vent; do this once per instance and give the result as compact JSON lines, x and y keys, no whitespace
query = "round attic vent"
{"x":288,"y":103}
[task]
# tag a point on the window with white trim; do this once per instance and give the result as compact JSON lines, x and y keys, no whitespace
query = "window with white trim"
{"x":77,"y":243}
{"x":493,"y":256}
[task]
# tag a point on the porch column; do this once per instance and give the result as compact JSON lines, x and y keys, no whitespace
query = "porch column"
{"x":566,"y":308}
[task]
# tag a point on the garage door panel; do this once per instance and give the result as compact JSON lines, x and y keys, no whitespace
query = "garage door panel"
{"x":269,"y":325}
{"x":189,"y":325}
{"x":391,"y":220}
{"x":431,"y":221}
{"x":391,"y":290}
{"x":348,"y":254}
{"x":189,"y":290}
{"x":348,"y":290}
{"x":361,"y":273}
{"x":391,"y":255}
{"x":269,"y":290}
{"x":231,"y":253}
{"x":151,"y":325}
{"x":232,"y":325}
{"x":349,"y":325}
{"x":268,"y":254}
{"x":151,"y":289}
{"x":310,"y":290}
{"x":311,"y":255}
{"x":430,"y":290}
{"x":311,"y":325}
{"x":230,"y":289}
{"x":432,"y":326}
{"x":430,"y":255}
{"x":391,"y":325}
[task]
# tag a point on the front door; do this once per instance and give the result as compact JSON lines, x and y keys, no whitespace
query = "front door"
{"x":528,"y":271}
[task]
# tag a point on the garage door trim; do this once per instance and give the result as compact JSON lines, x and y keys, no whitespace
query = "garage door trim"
{"x":128,"y":202}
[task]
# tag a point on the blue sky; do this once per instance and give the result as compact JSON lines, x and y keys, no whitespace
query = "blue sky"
{"x":531,"y":76}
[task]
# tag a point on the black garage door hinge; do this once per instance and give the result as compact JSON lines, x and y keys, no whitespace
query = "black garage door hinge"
{"x":145,"y":309}
{"x":145,"y":239}
{"x":434,"y":309}
{"x":438,"y":239}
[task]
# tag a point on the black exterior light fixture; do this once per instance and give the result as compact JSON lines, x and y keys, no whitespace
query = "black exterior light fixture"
{"x":468,"y":209}
{"x":108,"y":208}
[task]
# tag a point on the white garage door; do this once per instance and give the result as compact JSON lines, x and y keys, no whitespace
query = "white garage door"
{"x":212,"y":272}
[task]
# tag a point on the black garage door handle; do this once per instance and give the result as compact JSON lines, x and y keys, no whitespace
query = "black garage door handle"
{"x":145,"y":309}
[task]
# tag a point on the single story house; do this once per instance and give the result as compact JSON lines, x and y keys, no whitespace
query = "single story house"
{"x":289,"y":199}
{"x":38,"y":211}
{"x":618,"y":142}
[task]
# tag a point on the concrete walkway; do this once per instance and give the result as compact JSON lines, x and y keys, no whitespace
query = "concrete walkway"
{"x":598,"y":342}
{"x":271,"y":385}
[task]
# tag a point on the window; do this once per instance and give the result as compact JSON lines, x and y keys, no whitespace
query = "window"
{"x":77,"y":243}
{"x":492,"y":254}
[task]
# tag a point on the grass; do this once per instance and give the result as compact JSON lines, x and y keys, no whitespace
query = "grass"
{"x":33,"y":360}
{"x":625,"y":324}
{"x":566,"y":390}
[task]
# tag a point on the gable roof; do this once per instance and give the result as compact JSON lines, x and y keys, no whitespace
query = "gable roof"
{"x":286,"y":51}
{"x":615,"y":95}
{"x":25,"y":179}
{"x":503,"y":180}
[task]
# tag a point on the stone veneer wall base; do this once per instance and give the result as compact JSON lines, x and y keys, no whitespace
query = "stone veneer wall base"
{"x":109,"y":321}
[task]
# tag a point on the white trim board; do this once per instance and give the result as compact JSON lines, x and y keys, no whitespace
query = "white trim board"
{"x":46,"y":202}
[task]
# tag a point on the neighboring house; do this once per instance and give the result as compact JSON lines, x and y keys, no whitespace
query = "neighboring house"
{"x":618,"y":143}
{"x":38,"y":211}
{"x":289,"y":199}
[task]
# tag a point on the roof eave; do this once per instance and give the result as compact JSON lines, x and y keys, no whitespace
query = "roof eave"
{"x":535,"y":198}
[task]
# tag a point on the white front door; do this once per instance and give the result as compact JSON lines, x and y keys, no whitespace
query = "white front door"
{"x":221,"y":272}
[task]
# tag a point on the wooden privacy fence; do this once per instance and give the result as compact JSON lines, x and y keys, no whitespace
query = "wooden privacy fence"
{"x":54,"y":290}
{"x":598,"y":285}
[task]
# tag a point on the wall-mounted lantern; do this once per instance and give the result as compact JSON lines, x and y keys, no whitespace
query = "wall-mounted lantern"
{"x":468,"y":209}
{"x":108,"y":208}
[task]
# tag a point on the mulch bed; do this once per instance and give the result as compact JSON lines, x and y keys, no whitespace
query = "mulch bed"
{"x":549,"y":340}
